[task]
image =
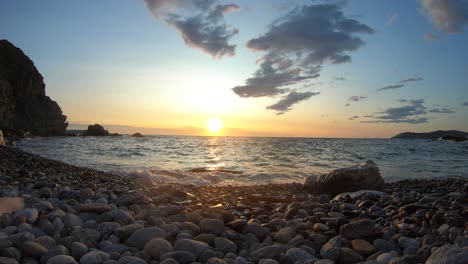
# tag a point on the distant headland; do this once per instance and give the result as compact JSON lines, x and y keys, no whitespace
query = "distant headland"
{"x":443,"y":134}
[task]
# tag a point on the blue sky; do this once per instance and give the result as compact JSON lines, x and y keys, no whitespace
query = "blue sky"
{"x":115,"y":62}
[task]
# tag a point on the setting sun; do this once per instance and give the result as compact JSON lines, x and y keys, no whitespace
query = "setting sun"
{"x":214,"y":125}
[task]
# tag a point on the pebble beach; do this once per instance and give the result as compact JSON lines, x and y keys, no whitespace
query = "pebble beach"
{"x":54,"y":213}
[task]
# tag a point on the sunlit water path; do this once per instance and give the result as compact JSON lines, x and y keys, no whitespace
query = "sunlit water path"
{"x":233,"y":160}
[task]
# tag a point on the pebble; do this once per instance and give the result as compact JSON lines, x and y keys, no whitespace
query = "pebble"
{"x":157,"y":247}
{"x":192,"y":246}
{"x":225,"y":245}
{"x":140,"y":237}
{"x":362,"y":247}
{"x":62,"y":259}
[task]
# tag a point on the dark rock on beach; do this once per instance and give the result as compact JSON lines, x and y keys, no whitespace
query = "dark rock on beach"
{"x":24,"y":105}
{"x":360,"y":177}
{"x":67,"y":214}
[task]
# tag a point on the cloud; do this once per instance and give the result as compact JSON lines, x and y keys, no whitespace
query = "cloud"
{"x":356,"y":98}
{"x":348,"y":104}
{"x":298,"y":44}
{"x":284,"y":105}
{"x":412,"y":79}
{"x":353,"y":117}
{"x":391,"y":19}
{"x":339,"y":79}
{"x":411,"y":113}
{"x":391,"y":87}
{"x":441,"y":110}
{"x":203,"y":27}
{"x":465,"y":103}
{"x":430,"y":36}
{"x":449,"y":16}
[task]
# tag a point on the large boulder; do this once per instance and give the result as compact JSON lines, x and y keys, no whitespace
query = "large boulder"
{"x":96,"y":130}
{"x":24,"y":105}
{"x":359,"y":177}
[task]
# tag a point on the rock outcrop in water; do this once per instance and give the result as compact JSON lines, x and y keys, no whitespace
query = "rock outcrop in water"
{"x":97,"y":130}
{"x":449,"y":134}
{"x":138,"y":135}
{"x":24,"y":106}
{"x":360,"y":177}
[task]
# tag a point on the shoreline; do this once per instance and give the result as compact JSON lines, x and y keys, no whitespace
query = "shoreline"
{"x":79,"y":215}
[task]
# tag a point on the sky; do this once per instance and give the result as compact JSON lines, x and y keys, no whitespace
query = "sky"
{"x":360,"y":68}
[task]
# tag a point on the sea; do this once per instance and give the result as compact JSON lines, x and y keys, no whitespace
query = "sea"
{"x":251,"y":160}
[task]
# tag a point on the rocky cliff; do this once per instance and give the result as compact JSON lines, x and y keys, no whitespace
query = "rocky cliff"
{"x":432,"y":135}
{"x":23,"y":101}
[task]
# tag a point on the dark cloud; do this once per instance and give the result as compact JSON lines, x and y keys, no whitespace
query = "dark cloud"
{"x":203,"y":28}
{"x":298,"y":44}
{"x":348,"y":104}
{"x":353,"y":117}
{"x":465,"y":103}
{"x":430,"y":36}
{"x":441,"y":110}
{"x":391,"y":87}
{"x":356,"y":98}
{"x":449,"y":16}
{"x":284,"y":105}
{"x":411,"y":113}
{"x":412,"y":79}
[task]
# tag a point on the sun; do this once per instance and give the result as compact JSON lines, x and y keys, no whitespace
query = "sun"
{"x":214,"y":125}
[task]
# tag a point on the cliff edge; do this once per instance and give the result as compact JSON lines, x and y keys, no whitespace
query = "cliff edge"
{"x":24,"y":105}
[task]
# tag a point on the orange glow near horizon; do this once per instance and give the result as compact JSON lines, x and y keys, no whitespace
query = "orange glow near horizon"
{"x":214,"y":125}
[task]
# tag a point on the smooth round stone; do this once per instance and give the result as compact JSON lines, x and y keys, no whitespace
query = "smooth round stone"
{"x":268,"y":261}
{"x":192,"y":246}
{"x":384,"y":258}
{"x":87,"y":193}
{"x":122,"y":217}
{"x":324,"y":261}
{"x":206,"y":255}
{"x":406,"y":242}
{"x":157,"y":247}
{"x":448,"y":254}
{"x":298,"y":255}
{"x":385,"y":245}
{"x":214,"y":226}
{"x":359,"y":229}
{"x":349,"y":256}
{"x":225,"y":245}
{"x":54,"y":251}
{"x":30,"y":214}
{"x":78,"y":250}
{"x":33,"y":249}
{"x":131,"y":260}
{"x":141,"y":237}
{"x":179,"y":256}
{"x":72,"y":220}
{"x":125,"y":231}
{"x":272,"y":251}
{"x":285,"y":234}
{"x":43,"y":206}
{"x":94,"y":257}
{"x":232,"y":256}
{"x":98,"y":208}
{"x":5,"y":260}
{"x":362,"y":247}
{"x":319,"y":227}
{"x":258,"y":230}
{"x":62,"y":259}
{"x":216,"y":261}
{"x":324,"y":198}
{"x":46,"y":241}
{"x":331,"y":249}
{"x":240,"y":260}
